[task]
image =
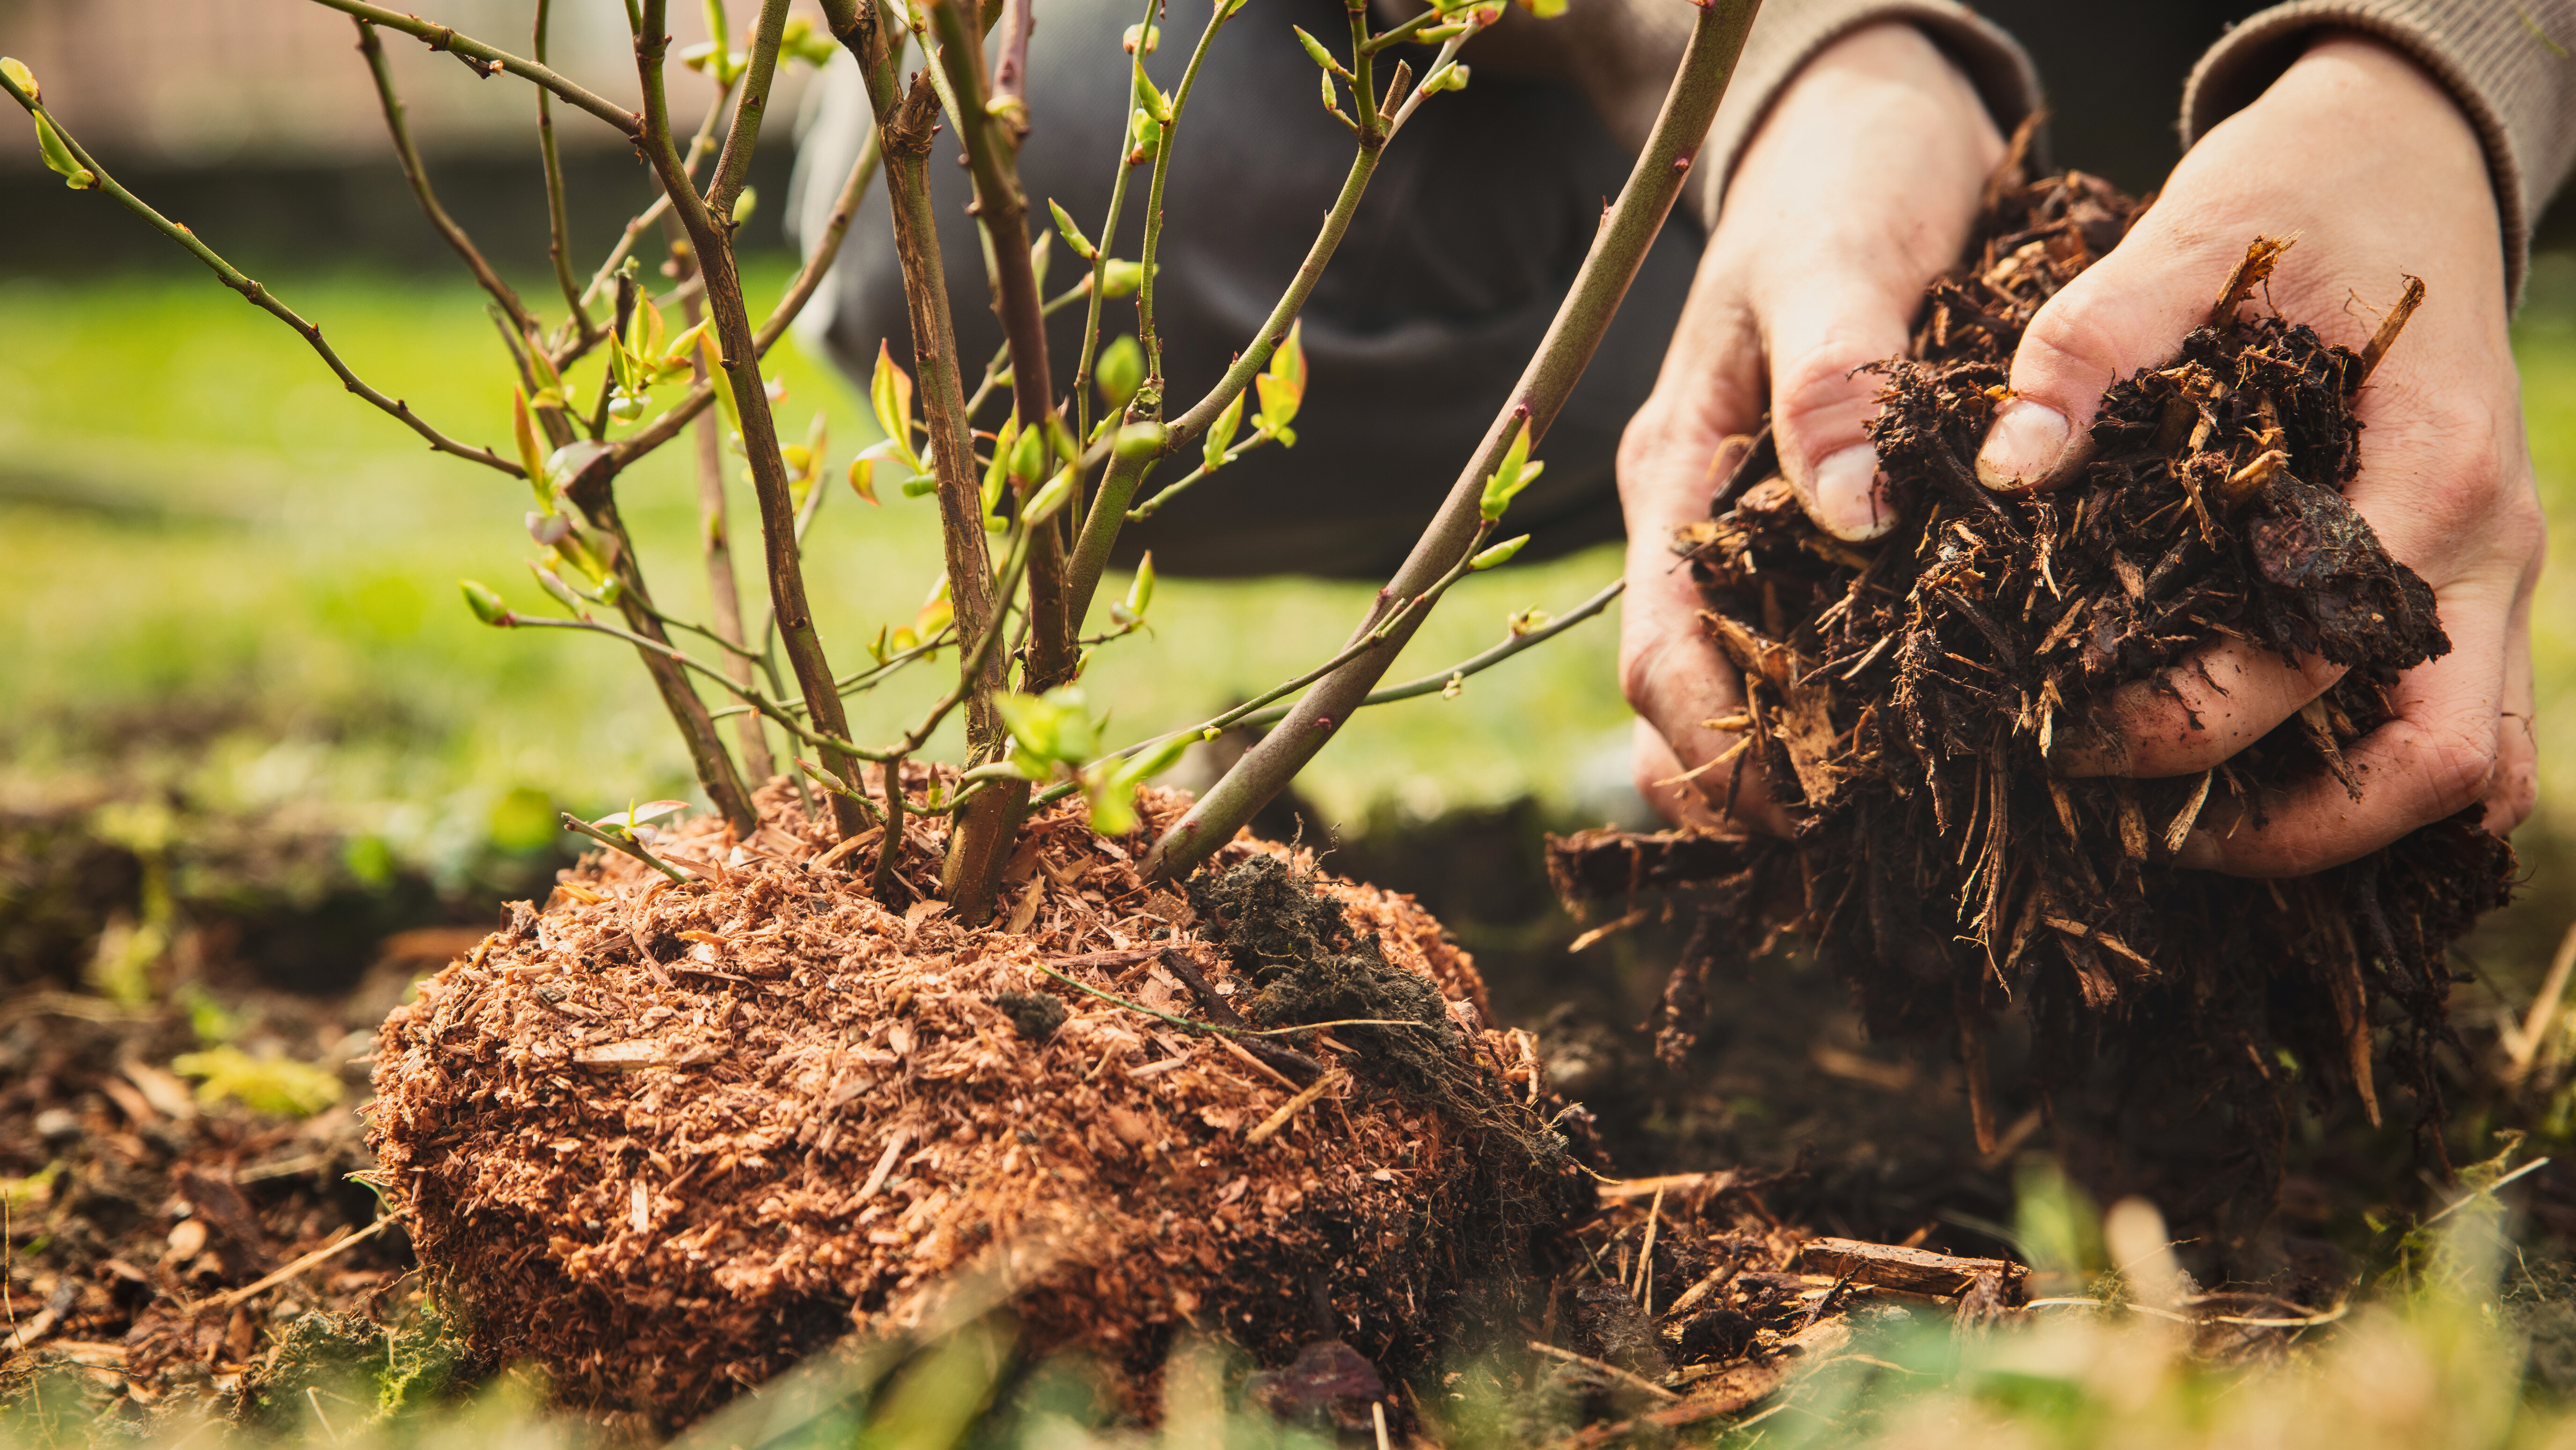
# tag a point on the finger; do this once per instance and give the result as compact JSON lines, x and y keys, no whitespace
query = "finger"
{"x":2438,"y":756}
{"x":2127,"y":311}
{"x":1821,"y":403}
{"x":2220,"y":699}
{"x":2516,"y":788}
{"x":1658,"y":773}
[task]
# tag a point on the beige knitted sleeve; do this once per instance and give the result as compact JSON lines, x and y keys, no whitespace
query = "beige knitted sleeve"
{"x":2508,"y":62}
{"x":1623,"y":52}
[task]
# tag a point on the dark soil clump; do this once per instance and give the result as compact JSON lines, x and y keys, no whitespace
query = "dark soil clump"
{"x":1905,"y":700}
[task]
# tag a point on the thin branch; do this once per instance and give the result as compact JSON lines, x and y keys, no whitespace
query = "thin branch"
{"x":260,"y":297}
{"x":749,"y":108}
{"x":1618,"y":249}
{"x":667,"y":426}
{"x":710,"y":236}
{"x":484,"y":60}
{"x":699,"y":145}
{"x":418,"y":176}
{"x":1106,"y":243}
{"x":558,"y":226}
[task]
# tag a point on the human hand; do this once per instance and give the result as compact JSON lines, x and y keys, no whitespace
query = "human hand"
{"x":1859,"y":189}
{"x":2373,"y":167}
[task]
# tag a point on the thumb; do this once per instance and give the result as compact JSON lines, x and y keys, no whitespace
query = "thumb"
{"x":2128,"y":311}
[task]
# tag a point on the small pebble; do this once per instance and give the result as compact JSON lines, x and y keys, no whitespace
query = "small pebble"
{"x":56,"y":1124}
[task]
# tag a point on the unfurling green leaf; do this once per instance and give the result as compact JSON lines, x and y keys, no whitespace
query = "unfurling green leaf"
{"x":863,"y":479}
{"x":1121,"y":369}
{"x":1140,"y":592}
{"x":1282,"y":387}
{"x":532,"y":459}
{"x":1113,"y":805}
{"x":1499,"y":554}
{"x":1052,"y":728}
{"x":997,"y":471}
{"x":1450,"y":77}
{"x":1121,"y":278}
{"x":1220,"y":434}
{"x":58,"y":155}
{"x":1029,"y":456}
{"x":1148,"y":136}
{"x":1149,"y":100}
{"x":627,"y":820}
{"x":1141,"y":440}
{"x":1512,"y":475}
{"x":1044,"y":504}
{"x":1072,"y":234}
{"x":1315,"y":52}
{"x":804,"y":40}
{"x":890,"y":395}
{"x":487,"y":606}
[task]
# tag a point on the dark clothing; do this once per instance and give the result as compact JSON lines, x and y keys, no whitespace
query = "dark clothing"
{"x":1469,"y":235}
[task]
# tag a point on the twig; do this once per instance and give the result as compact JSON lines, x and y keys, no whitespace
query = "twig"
{"x":2523,"y":1045}
{"x":2473,"y":1195}
{"x":327,"y":1252}
{"x":260,"y":297}
{"x":751,"y":104}
{"x":626,"y":844}
{"x":1268,"y":1127}
{"x":2391,"y":325}
{"x":415,"y":173}
{"x":484,"y":59}
{"x":558,"y":225}
{"x":1612,"y":1370}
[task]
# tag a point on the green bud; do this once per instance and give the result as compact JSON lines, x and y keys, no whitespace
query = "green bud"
{"x":919,"y":484}
{"x":552,"y":583}
{"x":1499,"y":554}
{"x":487,"y":606}
{"x":1121,"y":369}
{"x":1220,"y":434}
{"x":1140,"y":593}
{"x":1073,"y":236}
{"x":1148,"y":135}
{"x":1315,"y":52}
{"x":1149,"y":100}
{"x":1142,"y":39}
{"x":1044,"y":504}
{"x":58,"y":156}
{"x":1512,"y":475}
{"x":21,"y":77}
{"x":744,"y":204}
{"x":1029,"y":456}
{"x":1450,"y":77}
{"x":1141,"y":440}
{"x":1120,"y":278}
{"x":1332,"y":100}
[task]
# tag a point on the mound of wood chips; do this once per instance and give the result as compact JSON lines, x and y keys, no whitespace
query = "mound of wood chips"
{"x":663,"y":1139}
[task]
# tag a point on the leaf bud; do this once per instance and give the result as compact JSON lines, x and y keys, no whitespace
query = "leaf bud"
{"x":58,"y":156}
{"x":1142,"y":39}
{"x":1315,"y":52}
{"x":21,"y":77}
{"x":1450,"y":77}
{"x":552,"y":583}
{"x":1120,"y":371}
{"x":1044,"y":504}
{"x":1140,"y":593}
{"x":1220,"y":434}
{"x":1073,"y":236}
{"x":1120,"y":278}
{"x":1141,"y":440}
{"x":1029,"y":456}
{"x":1499,"y":554}
{"x":487,"y":606}
{"x":744,"y":204}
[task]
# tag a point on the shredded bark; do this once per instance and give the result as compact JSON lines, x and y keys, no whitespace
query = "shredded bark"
{"x":668,"y":1138}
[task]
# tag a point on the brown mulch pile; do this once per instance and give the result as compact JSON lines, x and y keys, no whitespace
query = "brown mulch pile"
{"x":1904,"y":698}
{"x":664,"y":1139}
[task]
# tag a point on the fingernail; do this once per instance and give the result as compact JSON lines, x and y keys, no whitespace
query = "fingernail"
{"x":1848,"y":502}
{"x":2023,"y":447}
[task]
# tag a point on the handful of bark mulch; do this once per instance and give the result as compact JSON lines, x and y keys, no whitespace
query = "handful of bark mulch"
{"x":1904,"y":698}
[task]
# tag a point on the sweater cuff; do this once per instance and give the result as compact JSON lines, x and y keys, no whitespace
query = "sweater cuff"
{"x":2506,"y":66}
{"x":1788,"y":35}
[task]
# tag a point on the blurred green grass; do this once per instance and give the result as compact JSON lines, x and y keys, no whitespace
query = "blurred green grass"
{"x":225,"y":574}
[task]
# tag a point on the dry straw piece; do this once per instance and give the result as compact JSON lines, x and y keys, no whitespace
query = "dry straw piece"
{"x":667,"y":1140}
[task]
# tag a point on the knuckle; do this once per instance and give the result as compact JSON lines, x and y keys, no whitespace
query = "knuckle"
{"x":2458,"y":766}
{"x":1820,"y":400}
